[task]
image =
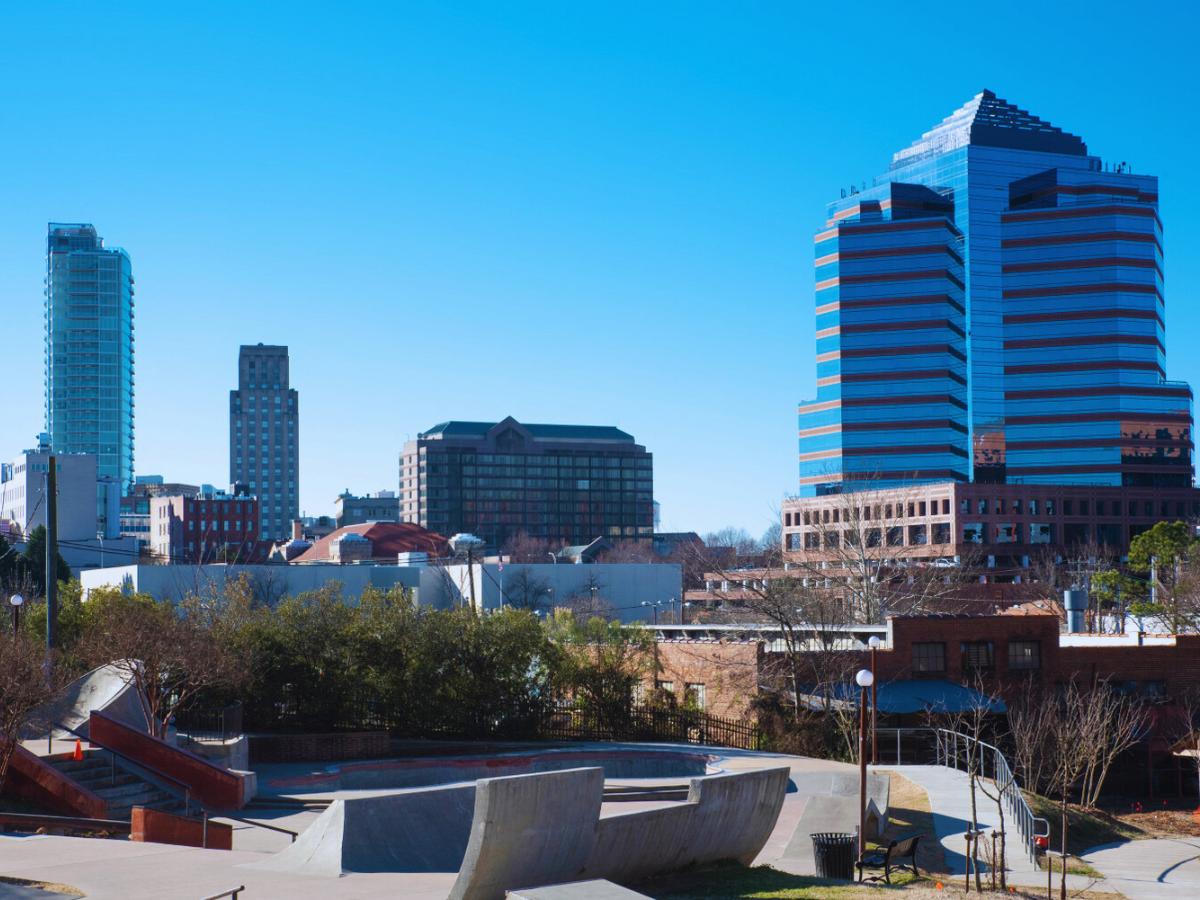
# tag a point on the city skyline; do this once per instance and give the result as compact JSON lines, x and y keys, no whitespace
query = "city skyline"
{"x":558,"y":190}
{"x":991,"y":309}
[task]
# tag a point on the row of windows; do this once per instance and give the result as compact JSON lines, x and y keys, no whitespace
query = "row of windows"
{"x":929,"y":657}
{"x":879,"y":511}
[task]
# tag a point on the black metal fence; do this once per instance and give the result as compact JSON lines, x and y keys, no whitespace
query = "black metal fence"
{"x":211,"y":724}
{"x":546,"y":720}
{"x":645,"y":723}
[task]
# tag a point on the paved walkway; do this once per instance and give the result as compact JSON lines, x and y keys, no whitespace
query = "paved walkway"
{"x":950,"y":799}
{"x":1165,"y":868}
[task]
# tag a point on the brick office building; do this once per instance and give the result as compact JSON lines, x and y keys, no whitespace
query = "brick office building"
{"x":208,"y":527}
{"x":1007,"y":523}
{"x":730,"y":664}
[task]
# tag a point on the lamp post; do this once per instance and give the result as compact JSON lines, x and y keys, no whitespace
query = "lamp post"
{"x":874,"y":643}
{"x":864,"y":678}
{"x":687,"y":604}
{"x":654,"y":605}
{"x":16,"y":601}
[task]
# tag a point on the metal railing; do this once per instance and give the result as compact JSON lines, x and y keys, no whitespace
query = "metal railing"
{"x":642,"y":723}
{"x":181,"y":784}
{"x":943,"y":747}
{"x":211,"y":724}
{"x":287,"y":831}
{"x":230,"y":892}
{"x":136,"y":764}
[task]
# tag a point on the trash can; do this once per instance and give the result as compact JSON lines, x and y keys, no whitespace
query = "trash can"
{"x":834,"y":854}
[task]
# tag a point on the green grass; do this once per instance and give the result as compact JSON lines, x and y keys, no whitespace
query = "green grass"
{"x":735,"y":882}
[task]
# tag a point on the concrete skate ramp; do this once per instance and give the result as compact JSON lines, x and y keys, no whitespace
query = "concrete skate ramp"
{"x":395,"y":774}
{"x":422,"y":830}
{"x":530,"y":830}
{"x":725,"y":817}
{"x":103,"y":689}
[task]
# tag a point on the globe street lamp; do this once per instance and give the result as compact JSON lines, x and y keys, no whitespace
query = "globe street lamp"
{"x":874,"y":643}
{"x":16,"y":601}
{"x":864,"y":678}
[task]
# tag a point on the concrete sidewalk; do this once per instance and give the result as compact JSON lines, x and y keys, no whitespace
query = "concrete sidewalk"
{"x":949,"y":793}
{"x":1165,"y":868}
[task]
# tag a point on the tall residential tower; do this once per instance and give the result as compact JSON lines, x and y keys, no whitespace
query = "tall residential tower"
{"x":991,"y":310}
{"x":264,"y":431}
{"x":89,"y":350}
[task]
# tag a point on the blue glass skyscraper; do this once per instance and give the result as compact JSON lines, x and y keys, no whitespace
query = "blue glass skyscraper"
{"x":1059,"y":278}
{"x":89,"y":349}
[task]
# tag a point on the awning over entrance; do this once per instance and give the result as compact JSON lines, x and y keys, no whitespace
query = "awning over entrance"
{"x":910,"y":696}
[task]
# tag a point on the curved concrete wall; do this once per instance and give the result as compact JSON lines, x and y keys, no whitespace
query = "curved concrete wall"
{"x":725,"y":817}
{"x":105,"y":689}
{"x":522,"y":831}
{"x":529,"y":830}
{"x":424,"y":830}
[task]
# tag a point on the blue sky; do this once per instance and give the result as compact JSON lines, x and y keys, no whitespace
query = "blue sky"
{"x":567,"y":212}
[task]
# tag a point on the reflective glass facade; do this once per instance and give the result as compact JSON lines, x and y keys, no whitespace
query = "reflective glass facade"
{"x":499,"y":480}
{"x":89,"y":350}
{"x":891,"y":402}
{"x":1065,"y":344}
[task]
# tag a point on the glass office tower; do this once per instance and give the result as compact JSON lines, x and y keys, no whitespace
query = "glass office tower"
{"x":89,"y":350}
{"x":1063,"y":301}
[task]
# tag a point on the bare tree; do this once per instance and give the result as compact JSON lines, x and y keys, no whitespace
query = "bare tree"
{"x":976,"y":721}
{"x":1030,"y":731}
{"x":883,"y":557}
{"x":524,"y":590}
{"x":739,"y":539}
{"x":587,"y":601}
{"x":1087,"y":730}
{"x":524,"y":548}
{"x":26,"y":685}
{"x":169,"y":655}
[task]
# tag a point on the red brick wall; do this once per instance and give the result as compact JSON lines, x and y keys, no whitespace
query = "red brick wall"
{"x":210,"y":784}
{"x":159,"y":827}
{"x":896,"y":662}
{"x":33,"y":779}
{"x":728,"y":671}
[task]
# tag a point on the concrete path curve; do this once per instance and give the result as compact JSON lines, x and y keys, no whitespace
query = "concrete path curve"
{"x":950,"y":800}
{"x":1155,"y":869}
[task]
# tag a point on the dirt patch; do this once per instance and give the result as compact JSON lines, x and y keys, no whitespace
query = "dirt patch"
{"x":59,"y":890}
{"x":1170,"y":819}
{"x":909,"y":812}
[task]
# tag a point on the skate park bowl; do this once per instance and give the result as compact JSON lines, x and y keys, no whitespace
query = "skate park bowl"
{"x":516,"y":831}
{"x":392,"y":774}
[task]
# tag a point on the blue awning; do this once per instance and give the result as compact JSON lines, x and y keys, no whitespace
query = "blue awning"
{"x":899,"y":697}
{"x":910,"y":696}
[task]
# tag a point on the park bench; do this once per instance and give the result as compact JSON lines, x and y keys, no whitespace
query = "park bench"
{"x":897,"y":851}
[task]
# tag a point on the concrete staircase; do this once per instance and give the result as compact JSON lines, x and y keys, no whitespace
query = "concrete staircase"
{"x":121,"y":790}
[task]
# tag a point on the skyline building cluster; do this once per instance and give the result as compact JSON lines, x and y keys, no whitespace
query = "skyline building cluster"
{"x":992,"y":311}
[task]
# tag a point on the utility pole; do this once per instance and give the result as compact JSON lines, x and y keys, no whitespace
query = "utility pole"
{"x":51,"y":555}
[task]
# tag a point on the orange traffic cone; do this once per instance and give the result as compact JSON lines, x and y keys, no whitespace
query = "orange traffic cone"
{"x":78,"y":754}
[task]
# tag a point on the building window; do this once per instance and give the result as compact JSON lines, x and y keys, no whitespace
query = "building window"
{"x":929,"y":657}
{"x":977,"y":657}
{"x":694,"y":695}
{"x":668,"y":686}
{"x":1024,"y":655}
